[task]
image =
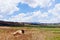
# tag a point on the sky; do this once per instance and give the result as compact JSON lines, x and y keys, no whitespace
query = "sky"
{"x":42,"y":11}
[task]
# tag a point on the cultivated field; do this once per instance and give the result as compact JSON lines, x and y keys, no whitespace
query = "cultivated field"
{"x":31,"y":33}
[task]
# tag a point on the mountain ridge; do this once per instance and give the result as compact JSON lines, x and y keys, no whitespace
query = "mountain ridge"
{"x":8,"y":23}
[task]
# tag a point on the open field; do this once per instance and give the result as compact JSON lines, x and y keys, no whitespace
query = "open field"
{"x":31,"y":33}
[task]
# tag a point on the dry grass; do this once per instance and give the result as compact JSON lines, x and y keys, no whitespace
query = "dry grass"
{"x":30,"y":34}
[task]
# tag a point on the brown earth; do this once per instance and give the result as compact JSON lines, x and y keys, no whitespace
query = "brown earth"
{"x":30,"y":34}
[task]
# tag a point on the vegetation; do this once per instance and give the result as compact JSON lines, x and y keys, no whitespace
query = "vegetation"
{"x":31,"y":33}
{"x":26,"y":24}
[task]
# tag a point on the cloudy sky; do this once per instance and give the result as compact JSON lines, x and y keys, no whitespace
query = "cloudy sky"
{"x":43,"y":11}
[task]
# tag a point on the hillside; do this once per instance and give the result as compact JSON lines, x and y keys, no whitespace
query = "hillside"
{"x":7,"y":23}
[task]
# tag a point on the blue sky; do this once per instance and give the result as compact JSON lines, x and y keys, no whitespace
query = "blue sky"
{"x":43,"y":11}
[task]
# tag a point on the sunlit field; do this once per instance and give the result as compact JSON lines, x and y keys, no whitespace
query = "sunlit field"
{"x":30,"y":33}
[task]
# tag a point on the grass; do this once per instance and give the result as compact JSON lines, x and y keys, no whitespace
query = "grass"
{"x":31,"y":33}
{"x":55,"y":33}
{"x":50,"y":29}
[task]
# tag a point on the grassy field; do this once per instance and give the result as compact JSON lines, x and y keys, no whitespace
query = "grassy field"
{"x":31,"y":33}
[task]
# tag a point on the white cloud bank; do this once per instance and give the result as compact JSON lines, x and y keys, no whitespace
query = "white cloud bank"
{"x":7,"y":7}
{"x":35,"y":3}
{"x":29,"y":17}
{"x":56,"y":13}
{"x":38,"y":16}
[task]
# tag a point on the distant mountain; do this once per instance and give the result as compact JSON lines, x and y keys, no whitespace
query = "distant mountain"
{"x":7,"y":23}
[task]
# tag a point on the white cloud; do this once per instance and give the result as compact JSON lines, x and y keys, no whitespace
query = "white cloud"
{"x":35,"y":3}
{"x":52,"y":16}
{"x":7,"y":7}
{"x":29,"y":17}
{"x":55,"y":12}
{"x":1,"y":16}
{"x":52,"y":20}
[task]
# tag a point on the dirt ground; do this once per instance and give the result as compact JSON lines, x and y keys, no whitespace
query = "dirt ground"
{"x":6,"y":33}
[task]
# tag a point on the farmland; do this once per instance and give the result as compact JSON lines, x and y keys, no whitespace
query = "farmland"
{"x":31,"y":33}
